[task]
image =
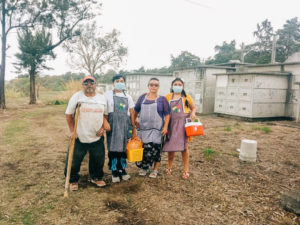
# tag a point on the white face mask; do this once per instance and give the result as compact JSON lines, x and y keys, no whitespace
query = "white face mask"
{"x":177,"y":89}
{"x":120,"y":86}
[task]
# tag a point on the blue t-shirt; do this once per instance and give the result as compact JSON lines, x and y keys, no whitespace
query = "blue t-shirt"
{"x":163,"y":107}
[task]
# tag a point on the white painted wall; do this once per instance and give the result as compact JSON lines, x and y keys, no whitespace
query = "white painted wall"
{"x":137,"y":84}
{"x":293,"y":98}
{"x":251,"y":95}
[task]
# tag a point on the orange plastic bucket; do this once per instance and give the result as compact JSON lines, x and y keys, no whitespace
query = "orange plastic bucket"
{"x":194,"y":128}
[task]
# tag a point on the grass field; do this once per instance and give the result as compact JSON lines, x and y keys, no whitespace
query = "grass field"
{"x":221,"y":189}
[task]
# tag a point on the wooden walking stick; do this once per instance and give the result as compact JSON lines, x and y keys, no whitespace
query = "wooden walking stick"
{"x":71,"y":151}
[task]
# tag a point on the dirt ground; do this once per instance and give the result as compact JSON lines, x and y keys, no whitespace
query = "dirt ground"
{"x":221,"y":189}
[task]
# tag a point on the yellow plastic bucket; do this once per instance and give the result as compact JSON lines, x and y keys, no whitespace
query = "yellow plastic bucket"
{"x":135,"y":155}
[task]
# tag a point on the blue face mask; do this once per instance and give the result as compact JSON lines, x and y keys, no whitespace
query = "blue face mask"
{"x":177,"y":89}
{"x":120,"y":86}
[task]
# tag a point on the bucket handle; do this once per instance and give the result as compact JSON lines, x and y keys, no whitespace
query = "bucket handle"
{"x":187,"y":120}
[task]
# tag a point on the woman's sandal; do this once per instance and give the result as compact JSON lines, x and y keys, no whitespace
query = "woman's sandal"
{"x":185,"y":175}
{"x":169,"y":171}
{"x":153,"y":174}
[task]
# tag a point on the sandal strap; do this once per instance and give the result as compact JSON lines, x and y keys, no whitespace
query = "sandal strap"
{"x":185,"y":175}
{"x":169,"y":171}
{"x":154,"y":172}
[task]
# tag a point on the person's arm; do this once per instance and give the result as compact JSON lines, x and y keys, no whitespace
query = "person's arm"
{"x":106,"y":125}
{"x":135,"y":116}
{"x":71,"y":122}
{"x":70,"y":111}
{"x":131,"y":114}
{"x":132,"y":120}
{"x":166,"y":113}
{"x":137,"y":109}
{"x":166,"y":124}
{"x":192,"y":107}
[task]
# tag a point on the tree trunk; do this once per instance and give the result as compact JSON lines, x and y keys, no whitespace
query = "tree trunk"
{"x":38,"y":91}
{"x":3,"y":56}
{"x":32,"y":87}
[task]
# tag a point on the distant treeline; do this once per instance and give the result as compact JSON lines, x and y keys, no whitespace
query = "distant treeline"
{"x":52,"y":83}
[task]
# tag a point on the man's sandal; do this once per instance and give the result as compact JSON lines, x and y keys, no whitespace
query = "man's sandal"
{"x":74,"y":186}
{"x":98,"y":183}
{"x":185,"y":175}
{"x":169,"y":171}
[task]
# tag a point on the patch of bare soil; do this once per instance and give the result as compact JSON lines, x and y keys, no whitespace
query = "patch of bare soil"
{"x":220,"y":190}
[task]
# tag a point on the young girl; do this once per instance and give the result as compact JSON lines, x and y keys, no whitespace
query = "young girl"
{"x":182,"y":107}
{"x":120,"y":111}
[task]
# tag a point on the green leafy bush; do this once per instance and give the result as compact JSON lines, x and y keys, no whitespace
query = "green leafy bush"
{"x":267,"y":130}
{"x":227,"y":128}
{"x":208,"y":153}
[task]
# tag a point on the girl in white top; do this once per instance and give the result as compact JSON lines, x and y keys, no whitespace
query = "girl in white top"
{"x":120,"y":117}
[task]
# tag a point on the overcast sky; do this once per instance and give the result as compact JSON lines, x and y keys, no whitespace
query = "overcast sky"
{"x":154,"y":29}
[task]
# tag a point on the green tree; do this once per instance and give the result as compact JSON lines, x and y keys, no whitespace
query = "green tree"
{"x":225,"y":52}
{"x":92,"y":52}
{"x":184,"y":59}
{"x":16,"y":14}
{"x":286,"y":44}
{"x":141,"y":70}
{"x":260,"y":52}
{"x":264,"y":34}
{"x":61,"y":15}
{"x":35,"y":50}
{"x":107,"y":77}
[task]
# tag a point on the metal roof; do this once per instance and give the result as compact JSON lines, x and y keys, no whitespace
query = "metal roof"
{"x":273,"y":64}
{"x":234,"y":63}
{"x":204,"y":66}
{"x":148,"y":74}
{"x":275,"y":73}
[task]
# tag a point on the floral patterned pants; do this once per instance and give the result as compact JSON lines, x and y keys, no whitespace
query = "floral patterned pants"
{"x":151,"y":154}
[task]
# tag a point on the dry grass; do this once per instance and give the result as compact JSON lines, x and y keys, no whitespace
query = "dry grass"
{"x":11,"y":93}
{"x":60,"y":97}
{"x":221,"y":189}
{"x":70,"y":88}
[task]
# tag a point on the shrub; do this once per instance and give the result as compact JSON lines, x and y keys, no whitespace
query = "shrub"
{"x":227,"y":128}
{"x":58,"y":102}
{"x":20,"y":85}
{"x":12,"y":93}
{"x":266,"y":129}
{"x":208,"y":153}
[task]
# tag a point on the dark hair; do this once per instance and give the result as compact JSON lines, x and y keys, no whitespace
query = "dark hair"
{"x":118,"y":76}
{"x":182,"y":92}
{"x":153,"y":78}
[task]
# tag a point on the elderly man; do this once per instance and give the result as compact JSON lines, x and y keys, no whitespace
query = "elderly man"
{"x":90,"y":129}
